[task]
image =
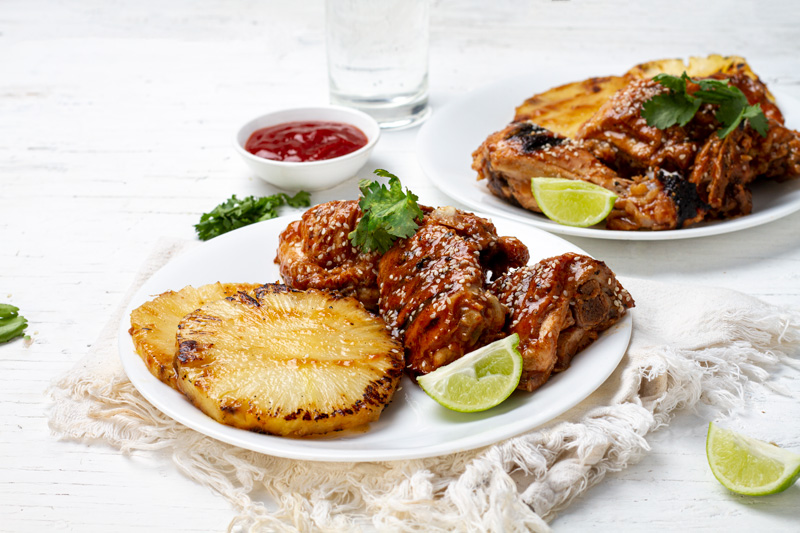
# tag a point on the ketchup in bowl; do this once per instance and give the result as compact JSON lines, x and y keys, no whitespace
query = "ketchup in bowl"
{"x":305,"y":141}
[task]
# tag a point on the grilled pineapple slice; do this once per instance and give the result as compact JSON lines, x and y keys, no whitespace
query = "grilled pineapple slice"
{"x":696,"y":67}
{"x":564,"y":109}
{"x":288,"y":362}
{"x":154,"y":324}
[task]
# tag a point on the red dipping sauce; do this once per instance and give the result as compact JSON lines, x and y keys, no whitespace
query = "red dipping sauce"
{"x":305,"y":141}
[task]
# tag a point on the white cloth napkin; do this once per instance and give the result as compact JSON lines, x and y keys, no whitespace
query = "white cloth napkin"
{"x":690,"y":344}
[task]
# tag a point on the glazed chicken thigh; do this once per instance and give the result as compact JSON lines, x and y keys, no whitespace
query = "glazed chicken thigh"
{"x":665,"y":179}
{"x":509,"y":158}
{"x":558,"y":307}
{"x":432,"y":287}
{"x":316,"y":253}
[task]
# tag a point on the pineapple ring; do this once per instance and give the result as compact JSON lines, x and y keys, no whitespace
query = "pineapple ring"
{"x":565,"y":108}
{"x":288,"y":362}
{"x":155,"y":323}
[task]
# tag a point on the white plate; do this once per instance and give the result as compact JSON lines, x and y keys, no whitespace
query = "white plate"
{"x":413,"y":425}
{"x":447,"y":140}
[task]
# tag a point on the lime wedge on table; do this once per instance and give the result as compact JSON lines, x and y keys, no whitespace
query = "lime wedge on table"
{"x":572,"y":202}
{"x":749,"y":466}
{"x":479,"y":380}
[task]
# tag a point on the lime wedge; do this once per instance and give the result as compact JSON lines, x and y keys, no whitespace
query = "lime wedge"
{"x":572,"y":202}
{"x":749,"y":466}
{"x":479,"y":380}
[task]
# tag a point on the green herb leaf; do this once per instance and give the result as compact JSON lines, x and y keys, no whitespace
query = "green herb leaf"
{"x":12,"y":324}
{"x":710,"y":84}
{"x":676,"y":84}
{"x":675,"y":107}
{"x":234,"y":213}
{"x":679,"y":107}
{"x":8,"y":310}
{"x":301,"y":199}
{"x":388,"y":214}
{"x":756,"y":118}
{"x":665,"y":110}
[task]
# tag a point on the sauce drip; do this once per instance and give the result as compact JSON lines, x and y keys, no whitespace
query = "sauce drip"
{"x":305,"y":141}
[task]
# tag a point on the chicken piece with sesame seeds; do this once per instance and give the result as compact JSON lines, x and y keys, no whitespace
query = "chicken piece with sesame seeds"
{"x":558,"y":307}
{"x":725,"y":168}
{"x":316,"y":253}
{"x":620,"y":137}
{"x":511,"y":157}
{"x":707,"y":177}
{"x":433,"y":287}
{"x":665,"y":179}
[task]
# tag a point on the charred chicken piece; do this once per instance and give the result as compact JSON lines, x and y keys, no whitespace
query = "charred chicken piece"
{"x":316,"y":253}
{"x":724,"y":168}
{"x":659,"y":200}
{"x":558,"y":307}
{"x":619,"y":136}
{"x":510,"y":157}
{"x":720,"y":169}
{"x":432,"y":294}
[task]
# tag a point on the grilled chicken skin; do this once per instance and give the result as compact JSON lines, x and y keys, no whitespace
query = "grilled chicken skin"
{"x":725,"y":168}
{"x":721,"y":170}
{"x":619,"y":136}
{"x":522,"y":150}
{"x":509,"y":158}
{"x":558,"y":307}
{"x":432,"y":287}
{"x":315,"y":252}
{"x":665,"y":179}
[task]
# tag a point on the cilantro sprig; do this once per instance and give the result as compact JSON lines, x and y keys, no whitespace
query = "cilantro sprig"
{"x":234,"y":213}
{"x":679,"y":107}
{"x":388,"y":214}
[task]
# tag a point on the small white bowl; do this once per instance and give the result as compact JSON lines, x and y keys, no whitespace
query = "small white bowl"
{"x":309,"y":175}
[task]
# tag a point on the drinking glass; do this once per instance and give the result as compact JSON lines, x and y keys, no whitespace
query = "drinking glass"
{"x":378,"y":58}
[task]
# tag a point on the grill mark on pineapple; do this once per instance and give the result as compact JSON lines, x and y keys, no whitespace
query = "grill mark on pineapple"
{"x":244,"y":298}
{"x":197,"y":318}
{"x":190,"y":351}
{"x":377,"y":391}
{"x":273,"y":288}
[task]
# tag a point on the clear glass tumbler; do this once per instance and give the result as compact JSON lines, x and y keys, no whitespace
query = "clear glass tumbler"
{"x":378,"y":58}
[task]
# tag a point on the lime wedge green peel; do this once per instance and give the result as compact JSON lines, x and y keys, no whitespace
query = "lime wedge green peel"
{"x":479,"y":380}
{"x":572,"y":202}
{"x":749,"y":466}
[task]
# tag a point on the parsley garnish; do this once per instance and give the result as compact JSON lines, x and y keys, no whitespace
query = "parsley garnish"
{"x":388,"y":214}
{"x":234,"y":213}
{"x":679,"y":107}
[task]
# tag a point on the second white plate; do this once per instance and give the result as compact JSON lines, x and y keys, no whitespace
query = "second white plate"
{"x":447,"y":140}
{"x":412,"y":425}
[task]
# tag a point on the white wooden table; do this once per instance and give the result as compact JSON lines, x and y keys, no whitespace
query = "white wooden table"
{"x":116,"y":122}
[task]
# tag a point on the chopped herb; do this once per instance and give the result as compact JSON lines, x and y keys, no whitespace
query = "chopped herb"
{"x":674,"y":107}
{"x":12,"y":324}
{"x":679,"y":107}
{"x":388,"y":214}
{"x":234,"y":213}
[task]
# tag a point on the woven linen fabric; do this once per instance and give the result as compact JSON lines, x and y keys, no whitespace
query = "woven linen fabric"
{"x":689,"y":345}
